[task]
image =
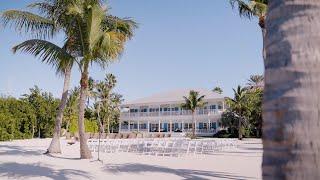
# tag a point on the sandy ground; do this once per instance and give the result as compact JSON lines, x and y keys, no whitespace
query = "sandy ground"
{"x":24,"y":159}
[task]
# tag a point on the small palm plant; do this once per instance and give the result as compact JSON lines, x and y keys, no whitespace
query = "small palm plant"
{"x":192,"y":103}
{"x":218,"y":90}
{"x":238,"y":107}
{"x":255,"y":82}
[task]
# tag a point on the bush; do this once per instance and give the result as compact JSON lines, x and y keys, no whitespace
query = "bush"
{"x":224,"y":134}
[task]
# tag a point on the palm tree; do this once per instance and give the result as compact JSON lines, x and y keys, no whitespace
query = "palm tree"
{"x":291,"y":102}
{"x":46,"y":26}
{"x":100,"y":40}
{"x":218,"y":90}
{"x":255,"y":82}
{"x":192,"y":103}
{"x":107,"y":99}
{"x":253,"y":8}
{"x":238,"y":107}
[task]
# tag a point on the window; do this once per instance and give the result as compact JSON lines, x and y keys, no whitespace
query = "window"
{"x":213,"y":106}
{"x":133,"y":110}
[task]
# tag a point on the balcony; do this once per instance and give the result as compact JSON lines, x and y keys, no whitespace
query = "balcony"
{"x":172,"y":113}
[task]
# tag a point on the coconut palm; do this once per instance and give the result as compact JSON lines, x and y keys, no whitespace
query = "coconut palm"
{"x":218,"y":90}
{"x":238,"y":107}
{"x":192,"y":103}
{"x":100,"y":39}
{"x":255,"y":82}
{"x":46,"y":26}
{"x":253,"y":8}
{"x":291,"y":101}
{"x":107,"y":100}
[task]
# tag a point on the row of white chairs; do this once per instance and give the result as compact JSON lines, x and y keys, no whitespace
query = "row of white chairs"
{"x":162,"y":147}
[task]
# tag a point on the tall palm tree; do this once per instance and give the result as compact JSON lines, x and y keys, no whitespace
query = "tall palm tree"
{"x":238,"y":106}
{"x":46,"y":26}
{"x":255,"y":82}
{"x":100,"y":39}
{"x":217,"y":89}
{"x":291,"y":102}
{"x":192,"y":103}
{"x":253,"y":8}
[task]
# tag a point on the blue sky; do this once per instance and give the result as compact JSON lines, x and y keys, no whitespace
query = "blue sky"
{"x":179,"y":44}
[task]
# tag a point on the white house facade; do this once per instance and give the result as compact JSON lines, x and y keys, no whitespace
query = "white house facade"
{"x":163,"y":113}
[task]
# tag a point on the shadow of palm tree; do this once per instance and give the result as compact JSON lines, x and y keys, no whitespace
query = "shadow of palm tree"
{"x":186,"y":174}
{"x":16,"y":170}
{"x":17,"y":150}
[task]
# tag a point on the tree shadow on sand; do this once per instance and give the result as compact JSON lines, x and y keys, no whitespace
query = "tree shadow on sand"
{"x":16,"y":170}
{"x":17,"y":150}
{"x":186,"y":174}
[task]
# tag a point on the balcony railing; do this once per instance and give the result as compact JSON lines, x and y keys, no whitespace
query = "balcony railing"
{"x":170,"y":113}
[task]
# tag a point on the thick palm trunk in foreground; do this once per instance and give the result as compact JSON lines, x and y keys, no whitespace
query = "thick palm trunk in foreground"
{"x":55,"y":142}
{"x":85,"y":153}
{"x":291,"y":129}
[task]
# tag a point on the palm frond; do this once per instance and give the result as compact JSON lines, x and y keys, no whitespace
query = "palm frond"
{"x":28,"y":22}
{"x":47,"y":52}
{"x":243,"y":8}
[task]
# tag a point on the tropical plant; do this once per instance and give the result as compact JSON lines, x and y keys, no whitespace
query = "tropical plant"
{"x":50,"y":22}
{"x":255,"y":82}
{"x":253,"y":8}
{"x":107,"y":102}
{"x":45,"y":107}
{"x":238,"y":107}
{"x":192,"y":103}
{"x":291,"y":102}
{"x":217,"y":89}
{"x":100,"y":39}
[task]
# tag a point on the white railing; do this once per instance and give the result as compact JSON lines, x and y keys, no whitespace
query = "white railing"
{"x":170,"y":113}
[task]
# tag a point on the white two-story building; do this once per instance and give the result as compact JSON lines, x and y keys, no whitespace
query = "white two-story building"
{"x":163,"y":113}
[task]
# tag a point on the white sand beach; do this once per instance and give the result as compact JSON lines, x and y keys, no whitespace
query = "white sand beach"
{"x":24,"y":159}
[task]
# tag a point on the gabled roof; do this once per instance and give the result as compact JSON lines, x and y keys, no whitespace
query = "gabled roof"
{"x":174,"y":96}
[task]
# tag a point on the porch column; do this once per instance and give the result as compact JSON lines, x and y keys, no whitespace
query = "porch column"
{"x":138,"y":125}
{"x":148,"y":126}
{"x":208,"y":126}
{"x":129,"y":125}
{"x":119,"y":126}
{"x":170,"y":125}
{"x":159,"y":126}
{"x":182,"y":128}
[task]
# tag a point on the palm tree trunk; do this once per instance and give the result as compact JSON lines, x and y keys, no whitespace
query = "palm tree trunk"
{"x":291,"y":103}
{"x":39,"y":133}
{"x":55,"y":143}
{"x":67,"y":126}
{"x":264,"y":32}
{"x":32,"y":130}
{"x":85,"y":153}
{"x":108,"y":125}
{"x":101,"y":126}
{"x":239,"y":129}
